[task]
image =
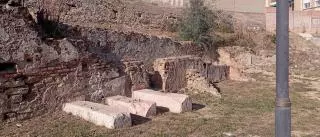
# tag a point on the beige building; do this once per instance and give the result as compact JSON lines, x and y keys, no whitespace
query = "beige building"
{"x":252,"y":6}
{"x":304,"y":16}
{"x":270,"y":3}
{"x":299,"y":5}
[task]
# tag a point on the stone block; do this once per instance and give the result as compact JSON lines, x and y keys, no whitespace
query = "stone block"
{"x":138,"y":75}
{"x":217,"y":73}
{"x":173,"y":71}
{"x":14,"y":84}
{"x":107,"y":88}
{"x":40,"y":85}
{"x":199,"y":82}
{"x":16,"y":98}
{"x":10,"y":117}
{"x":134,"y":106}
{"x":23,"y":116}
{"x":49,"y":80}
{"x":32,"y":80}
{"x":99,"y":114}
{"x":3,"y":103}
{"x":68,"y":51}
{"x":4,"y":36}
{"x":118,"y":86}
{"x":176,"y":103}
{"x":15,"y":91}
{"x":16,"y":107}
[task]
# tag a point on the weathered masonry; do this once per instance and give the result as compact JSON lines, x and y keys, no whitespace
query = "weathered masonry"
{"x":38,"y":74}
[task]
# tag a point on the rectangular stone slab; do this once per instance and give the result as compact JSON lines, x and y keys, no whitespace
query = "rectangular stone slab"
{"x":176,"y":103}
{"x":99,"y":114}
{"x":134,"y":106}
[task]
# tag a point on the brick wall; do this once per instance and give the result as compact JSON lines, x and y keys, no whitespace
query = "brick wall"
{"x":86,"y":65}
{"x":27,"y":94}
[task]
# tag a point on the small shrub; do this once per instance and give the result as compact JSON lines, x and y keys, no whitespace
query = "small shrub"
{"x":223,"y":22}
{"x":171,"y":24}
{"x":273,"y":39}
{"x":197,"y":23}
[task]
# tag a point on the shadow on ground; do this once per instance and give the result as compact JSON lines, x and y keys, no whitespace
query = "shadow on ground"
{"x":137,"y":120}
{"x":161,"y":110}
{"x":196,"y":106}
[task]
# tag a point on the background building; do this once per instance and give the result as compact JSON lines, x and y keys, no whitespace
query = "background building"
{"x":304,"y":16}
{"x":298,"y":5}
{"x":255,"y":6}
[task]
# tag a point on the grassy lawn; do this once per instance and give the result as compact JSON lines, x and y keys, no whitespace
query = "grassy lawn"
{"x":245,"y":110}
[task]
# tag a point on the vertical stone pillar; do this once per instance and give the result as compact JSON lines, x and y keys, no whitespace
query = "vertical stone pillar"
{"x":3,"y":105}
{"x":138,"y":75}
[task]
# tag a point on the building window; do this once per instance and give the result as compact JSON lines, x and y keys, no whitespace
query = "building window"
{"x":306,"y":4}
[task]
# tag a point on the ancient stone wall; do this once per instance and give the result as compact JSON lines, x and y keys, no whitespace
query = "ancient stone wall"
{"x":39,"y":73}
{"x":196,"y":81}
{"x":139,"y":78}
{"x":26,"y":94}
{"x":173,"y":71}
{"x":37,"y":76}
{"x":119,"y":15}
{"x":114,"y":45}
{"x":217,"y":73}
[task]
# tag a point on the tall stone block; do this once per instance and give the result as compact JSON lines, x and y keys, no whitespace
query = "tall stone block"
{"x":137,"y":74}
{"x":199,"y":82}
{"x":173,"y":71}
{"x":217,"y":73}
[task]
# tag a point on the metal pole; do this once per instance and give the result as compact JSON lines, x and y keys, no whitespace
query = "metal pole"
{"x":283,"y":104}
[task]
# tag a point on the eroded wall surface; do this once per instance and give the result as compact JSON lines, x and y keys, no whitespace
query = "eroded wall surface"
{"x":39,"y":73}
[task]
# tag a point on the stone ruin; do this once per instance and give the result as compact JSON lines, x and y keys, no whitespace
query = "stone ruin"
{"x":176,"y":72}
{"x":39,"y":74}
